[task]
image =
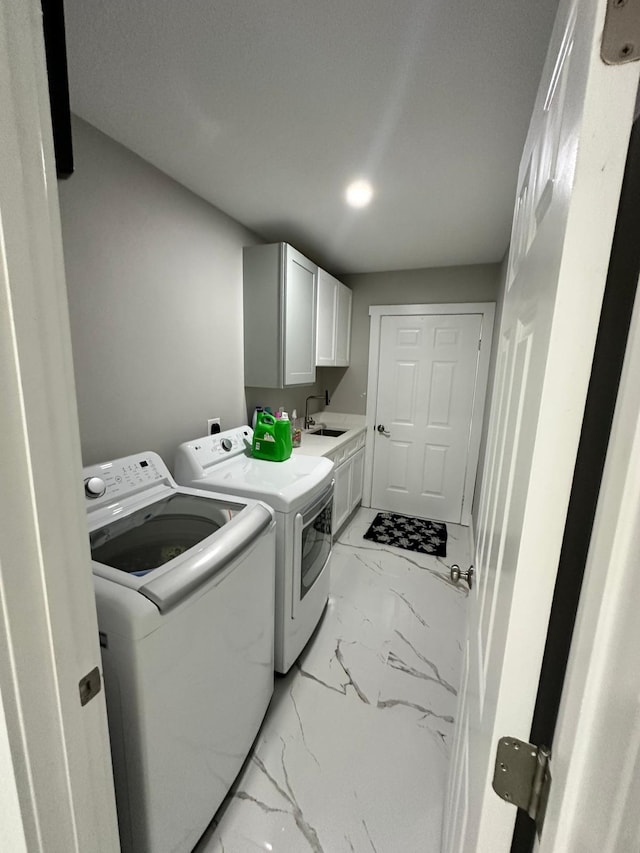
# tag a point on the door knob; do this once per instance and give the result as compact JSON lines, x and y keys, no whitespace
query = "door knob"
{"x":382,"y":430}
{"x":457,"y":574}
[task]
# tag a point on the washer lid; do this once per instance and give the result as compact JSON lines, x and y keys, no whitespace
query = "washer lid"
{"x":283,"y":485}
{"x":182,"y":552}
{"x":156,"y":533}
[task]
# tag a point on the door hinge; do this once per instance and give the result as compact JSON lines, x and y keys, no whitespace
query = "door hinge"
{"x":621,"y":34}
{"x":522,"y":776}
{"x":90,"y":686}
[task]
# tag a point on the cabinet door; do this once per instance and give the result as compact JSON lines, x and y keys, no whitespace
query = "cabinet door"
{"x":357,"y":479}
{"x":327,"y":307}
{"x":343,"y":326}
{"x":301,"y":277}
{"x":341,"y":495}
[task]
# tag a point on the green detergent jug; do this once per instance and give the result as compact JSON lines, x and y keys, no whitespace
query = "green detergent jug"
{"x":268,"y":439}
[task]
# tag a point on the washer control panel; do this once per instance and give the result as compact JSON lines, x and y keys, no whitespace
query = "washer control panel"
{"x":114,"y":480}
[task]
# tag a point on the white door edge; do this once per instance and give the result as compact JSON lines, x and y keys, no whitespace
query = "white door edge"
{"x":12,"y":835}
{"x":60,"y":767}
{"x":376,"y":313}
{"x":472,"y":540}
{"x":598,"y":728}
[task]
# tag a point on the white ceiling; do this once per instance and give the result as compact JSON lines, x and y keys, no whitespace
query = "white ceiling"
{"x":268,"y":109}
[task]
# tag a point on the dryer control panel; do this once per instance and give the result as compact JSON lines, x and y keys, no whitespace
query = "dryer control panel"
{"x":212,"y":449}
{"x":113,"y":480}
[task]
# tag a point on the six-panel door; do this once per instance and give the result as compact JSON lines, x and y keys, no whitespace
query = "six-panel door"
{"x":426,"y":385}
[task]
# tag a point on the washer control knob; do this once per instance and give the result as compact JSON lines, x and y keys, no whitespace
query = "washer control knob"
{"x":94,"y":487}
{"x":227,"y":444}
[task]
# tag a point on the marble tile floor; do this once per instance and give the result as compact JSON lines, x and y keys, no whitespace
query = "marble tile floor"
{"x":353,"y":753}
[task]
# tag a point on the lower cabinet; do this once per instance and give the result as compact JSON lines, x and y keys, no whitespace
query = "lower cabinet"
{"x":357,"y":478}
{"x":341,"y":495}
{"x":349,"y":478}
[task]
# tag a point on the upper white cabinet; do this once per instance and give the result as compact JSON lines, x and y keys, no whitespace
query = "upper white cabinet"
{"x":327,"y":311}
{"x":343,"y":326}
{"x":279,"y":295}
{"x":333,"y":322}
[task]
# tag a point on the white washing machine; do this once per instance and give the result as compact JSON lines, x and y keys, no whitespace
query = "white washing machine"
{"x":300,"y":490}
{"x":184,"y":583}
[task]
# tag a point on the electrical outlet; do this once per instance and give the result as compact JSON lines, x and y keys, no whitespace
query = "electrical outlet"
{"x":213,"y":426}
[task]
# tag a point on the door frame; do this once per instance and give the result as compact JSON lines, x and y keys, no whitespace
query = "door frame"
{"x":57,"y":789}
{"x":376,"y":313}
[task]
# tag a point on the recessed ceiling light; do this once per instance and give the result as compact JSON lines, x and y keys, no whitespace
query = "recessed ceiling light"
{"x":359,"y":193}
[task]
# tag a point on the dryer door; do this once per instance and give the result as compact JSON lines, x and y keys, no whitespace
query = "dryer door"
{"x":312,"y":545}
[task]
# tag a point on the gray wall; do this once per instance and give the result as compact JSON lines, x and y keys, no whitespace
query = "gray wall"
{"x":348,"y":387}
{"x":154,"y":276}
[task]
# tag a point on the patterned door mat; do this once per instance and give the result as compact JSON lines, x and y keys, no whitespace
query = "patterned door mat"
{"x":413,"y":534}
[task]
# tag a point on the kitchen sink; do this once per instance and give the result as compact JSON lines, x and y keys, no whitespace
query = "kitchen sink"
{"x":333,"y":433}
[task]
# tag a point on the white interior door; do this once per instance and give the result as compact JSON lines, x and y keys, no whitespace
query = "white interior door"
{"x":427,"y":372}
{"x":568,"y":191}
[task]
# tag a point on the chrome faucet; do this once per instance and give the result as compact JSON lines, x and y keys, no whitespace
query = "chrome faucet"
{"x":308,"y":422}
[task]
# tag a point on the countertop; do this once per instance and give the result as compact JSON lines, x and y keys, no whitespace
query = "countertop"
{"x":321,"y":445}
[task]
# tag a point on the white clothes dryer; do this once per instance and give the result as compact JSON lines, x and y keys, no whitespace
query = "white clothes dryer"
{"x":300,"y":490}
{"x":184,"y":584}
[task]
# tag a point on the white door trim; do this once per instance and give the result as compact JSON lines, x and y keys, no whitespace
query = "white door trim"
{"x":56,"y":787}
{"x":376,"y":313}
